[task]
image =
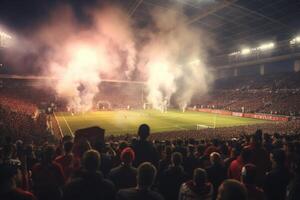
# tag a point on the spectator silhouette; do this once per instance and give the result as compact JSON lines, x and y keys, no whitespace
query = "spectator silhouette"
{"x":216,"y":172}
{"x":90,"y":184}
{"x":146,"y":174}
{"x":47,"y":176}
{"x":190,"y":162}
{"x":235,"y":168}
{"x":249,"y":173}
{"x":124,"y":175}
{"x":144,"y":150}
{"x":67,"y":161}
{"x":259,"y":156}
{"x":172,"y":178}
{"x":293,"y":192}
{"x":232,"y":190}
{"x":278,"y":178}
{"x":197,"y":188}
{"x":9,"y":177}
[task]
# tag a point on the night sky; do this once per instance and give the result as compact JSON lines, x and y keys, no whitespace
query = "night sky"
{"x":20,"y":15}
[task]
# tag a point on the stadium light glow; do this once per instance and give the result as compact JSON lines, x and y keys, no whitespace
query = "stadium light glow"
{"x":5,"y":35}
{"x":295,"y":40}
{"x":266,"y":46}
{"x":262,"y":47}
{"x":245,"y":51}
{"x":235,"y":53}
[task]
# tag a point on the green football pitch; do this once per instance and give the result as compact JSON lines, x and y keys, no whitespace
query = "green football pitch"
{"x":127,"y":122}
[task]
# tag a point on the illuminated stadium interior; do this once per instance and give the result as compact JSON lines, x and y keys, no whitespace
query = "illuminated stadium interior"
{"x":150,"y":99}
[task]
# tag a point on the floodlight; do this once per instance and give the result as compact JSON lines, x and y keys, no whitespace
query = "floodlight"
{"x":266,"y":46}
{"x":245,"y":51}
{"x":295,"y":40}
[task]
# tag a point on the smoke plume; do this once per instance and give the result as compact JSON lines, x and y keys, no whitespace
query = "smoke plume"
{"x":168,"y":54}
{"x":174,"y":59}
{"x":79,"y":56}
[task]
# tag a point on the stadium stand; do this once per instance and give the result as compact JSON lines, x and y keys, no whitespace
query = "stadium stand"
{"x":250,"y":162}
{"x":271,"y":94}
{"x":260,"y":162}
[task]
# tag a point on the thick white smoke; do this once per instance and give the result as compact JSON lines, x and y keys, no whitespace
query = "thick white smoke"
{"x":167,"y":54}
{"x":174,"y":59}
{"x":79,"y":56}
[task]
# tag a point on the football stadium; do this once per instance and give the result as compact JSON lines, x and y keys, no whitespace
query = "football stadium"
{"x":150,"y":100}
{"x":126,"y":122}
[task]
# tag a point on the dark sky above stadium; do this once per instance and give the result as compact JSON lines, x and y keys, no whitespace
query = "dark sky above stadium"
{"x":24,"y":14}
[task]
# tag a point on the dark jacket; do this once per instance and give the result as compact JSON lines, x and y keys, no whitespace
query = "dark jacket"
{"x":170,"y":182}
{"x":90,"y":186}
{"x":216,"y":175}
{"x":145,"y":152}
{"x":276,"y":184}
{"x":136,"y":194}
{"x":123,"y":176}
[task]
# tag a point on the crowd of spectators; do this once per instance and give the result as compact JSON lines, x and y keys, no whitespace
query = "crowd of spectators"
{"x":256,"y":166}
{"x":245,"y":162}
{"x":271,"y":94}
{"x":20,"y":117}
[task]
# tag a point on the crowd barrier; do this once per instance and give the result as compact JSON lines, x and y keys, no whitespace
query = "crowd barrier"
{"x":248,"y":115}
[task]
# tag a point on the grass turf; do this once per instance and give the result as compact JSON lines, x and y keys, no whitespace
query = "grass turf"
{"x":123,"y":122}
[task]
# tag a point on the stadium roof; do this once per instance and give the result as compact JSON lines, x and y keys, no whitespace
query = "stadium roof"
{"x":232,"y":23}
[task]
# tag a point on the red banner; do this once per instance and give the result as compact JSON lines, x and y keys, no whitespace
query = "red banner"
{"x":267,"y":117}
{"x":221,"y":112}
{"x":249,"y":115}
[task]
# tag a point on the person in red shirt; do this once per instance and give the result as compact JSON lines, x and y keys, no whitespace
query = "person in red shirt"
{"x":47,"y":176}
{"x":235,"y":168}
{"x":248,"y":178}
{"x":67,"y":161}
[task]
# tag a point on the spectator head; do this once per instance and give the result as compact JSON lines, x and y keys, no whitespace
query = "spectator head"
{"x":278,"y":158}
{"x":249,"y":174}
{"x":127,"y":155}
{"x":176,"y":158}
{"x":232,"y":189}
{"x":246,"y":155}
{"x":146,"y":174}
{"x":68,"y":147}
{"x":215,"y":158}
{"x":200,"y":177}
{"x":91,"y":160}
{"x":48,"y":154}
{"x":144,"y":131}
